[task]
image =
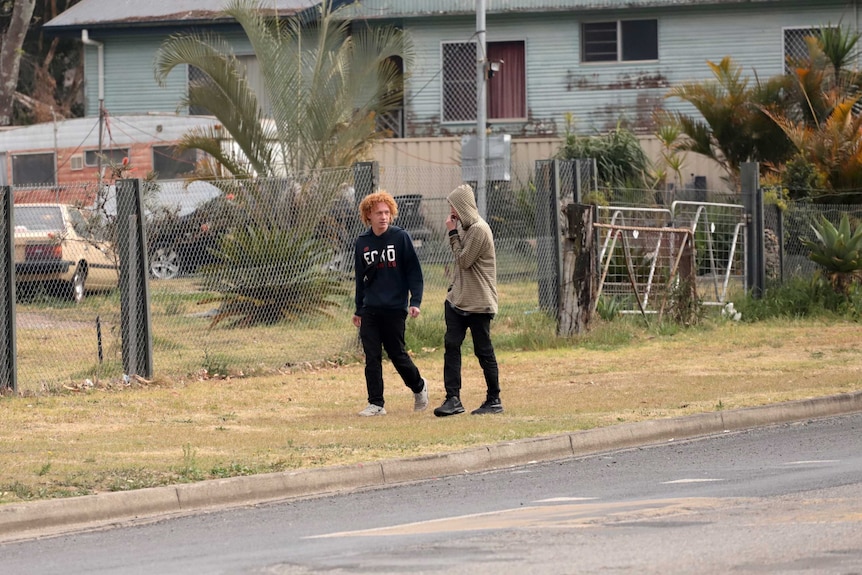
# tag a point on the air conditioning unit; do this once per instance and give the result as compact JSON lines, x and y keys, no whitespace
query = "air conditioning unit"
{"x":498,"y":158}
{"x":76,"y":162}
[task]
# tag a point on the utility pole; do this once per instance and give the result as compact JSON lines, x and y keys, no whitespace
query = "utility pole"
{"x":100,"y":63}
{"x":481,"y":108}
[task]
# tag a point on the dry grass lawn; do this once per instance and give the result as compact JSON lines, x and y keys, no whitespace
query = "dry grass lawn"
{"x":178,"y":431}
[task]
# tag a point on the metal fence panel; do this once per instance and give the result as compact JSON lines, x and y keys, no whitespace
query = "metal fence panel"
{"x":716,"y":220}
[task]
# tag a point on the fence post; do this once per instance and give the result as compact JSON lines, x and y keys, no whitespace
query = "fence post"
{"x":366,"y":179}
{"x":752,"y":199}
{"x":548,"y":238}
{"x":779,"y":231}
{"x":8,"y":341}
{"x":579,"y":285}
{"x":135,"y":320}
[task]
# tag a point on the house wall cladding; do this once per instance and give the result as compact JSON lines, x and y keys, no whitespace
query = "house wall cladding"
{"x":130,"y":81}
{"x":598,"y":95}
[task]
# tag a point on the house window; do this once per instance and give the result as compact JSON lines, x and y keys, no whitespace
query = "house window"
{"x":249,"y":64}
{"x":33,"y":169}
{"x":256,"y":82}
{"x":619,"y":41}
{"x":169,"y":163}
{"x":459,"y":81}
{"x":196,"y":77}
{"x":112,"y":156}
{"x":507,"y":88}
{"x":795,"y":45}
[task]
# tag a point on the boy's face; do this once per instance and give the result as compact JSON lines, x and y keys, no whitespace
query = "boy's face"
{"x":381,"y":217}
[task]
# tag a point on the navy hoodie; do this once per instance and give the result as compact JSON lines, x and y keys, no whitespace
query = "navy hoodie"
{"x":398,"y":283}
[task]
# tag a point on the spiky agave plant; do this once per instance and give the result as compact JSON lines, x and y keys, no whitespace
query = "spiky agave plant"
{"x":266,"y":275}
{"x":838,"y":251}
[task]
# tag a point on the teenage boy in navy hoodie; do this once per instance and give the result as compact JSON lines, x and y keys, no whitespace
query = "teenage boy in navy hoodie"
{"x":389,"y":286}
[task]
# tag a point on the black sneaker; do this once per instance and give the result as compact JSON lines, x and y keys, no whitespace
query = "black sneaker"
{"x":490,"y":406}
{"x":452,"y":406}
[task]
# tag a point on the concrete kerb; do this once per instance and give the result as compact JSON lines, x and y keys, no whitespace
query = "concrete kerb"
{"x":24,"y":520}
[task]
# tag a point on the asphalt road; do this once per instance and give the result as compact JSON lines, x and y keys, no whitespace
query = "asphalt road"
{"x":778,"y":499}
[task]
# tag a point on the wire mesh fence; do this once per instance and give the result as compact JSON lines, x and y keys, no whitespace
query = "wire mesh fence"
{"x":257,"y":275}
{"x":786,"y":256}
{"x":243,"y":276}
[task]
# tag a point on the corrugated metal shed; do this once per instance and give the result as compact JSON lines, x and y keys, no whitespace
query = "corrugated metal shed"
{"x":84,"y":132}
{"x":113,"y":13}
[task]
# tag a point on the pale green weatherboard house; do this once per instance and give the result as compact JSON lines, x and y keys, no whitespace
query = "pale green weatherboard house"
{"x":600,"y":60}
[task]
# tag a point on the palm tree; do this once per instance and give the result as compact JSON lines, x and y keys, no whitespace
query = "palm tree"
{"x":833,"y":146}
{"x":732,"y":127}
{"x":821,"y":118}
{"x":324,"y":83}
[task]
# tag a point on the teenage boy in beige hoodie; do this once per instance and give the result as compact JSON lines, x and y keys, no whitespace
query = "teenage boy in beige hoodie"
{"x":471,"y":302}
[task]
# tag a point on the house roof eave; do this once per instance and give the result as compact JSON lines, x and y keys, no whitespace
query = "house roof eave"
{"x":168,"y":14}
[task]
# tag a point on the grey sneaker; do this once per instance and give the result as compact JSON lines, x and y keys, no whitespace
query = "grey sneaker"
{"x":372,"y":410}
{"x":420,"y":400}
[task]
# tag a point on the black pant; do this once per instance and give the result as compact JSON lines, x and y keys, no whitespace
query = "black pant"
{"x":480,"y":330}
{"x":383,"y":328}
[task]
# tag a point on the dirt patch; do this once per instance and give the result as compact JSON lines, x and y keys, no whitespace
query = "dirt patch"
{"x":36,"y":320}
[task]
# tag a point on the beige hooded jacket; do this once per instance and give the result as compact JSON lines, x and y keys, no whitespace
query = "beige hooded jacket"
{"x":474,"y":285}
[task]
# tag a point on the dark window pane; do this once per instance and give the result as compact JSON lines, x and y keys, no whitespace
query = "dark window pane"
{"x":115,"y":156}
{"x":172,"y":164}
{"x":33,"y":169}
{"x":640,"y":40}
{"x":599,"y":42}
{"x":196,"y":77}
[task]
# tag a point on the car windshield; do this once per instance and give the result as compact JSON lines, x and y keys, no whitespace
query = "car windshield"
{"x":38,"y":218}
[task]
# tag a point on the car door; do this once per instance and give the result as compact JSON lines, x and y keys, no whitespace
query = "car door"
{"x":88,"y":244}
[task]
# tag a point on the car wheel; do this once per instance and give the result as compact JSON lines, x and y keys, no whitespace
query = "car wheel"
{"x":76,"y":286}
{"x":165,"y":263}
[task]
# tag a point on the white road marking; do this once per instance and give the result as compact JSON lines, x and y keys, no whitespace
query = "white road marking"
{"x":564,"y":499}
{"x":573,"y":515}
{"x":702,"y":480}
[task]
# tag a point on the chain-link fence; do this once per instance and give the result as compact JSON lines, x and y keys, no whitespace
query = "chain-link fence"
{"x":257,"y":275}
{"x":786,"y":256}
{"x":243,"y":276}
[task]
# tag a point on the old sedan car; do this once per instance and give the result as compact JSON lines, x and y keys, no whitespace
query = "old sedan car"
{"x":55,"y":247}
{"x":180,"y":243}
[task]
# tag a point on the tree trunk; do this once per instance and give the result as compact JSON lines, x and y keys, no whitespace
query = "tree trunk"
{"x":10,"y":56}
{"x":579,"y":288}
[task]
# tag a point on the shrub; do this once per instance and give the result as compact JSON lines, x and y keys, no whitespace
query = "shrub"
{"x":838,"y":251}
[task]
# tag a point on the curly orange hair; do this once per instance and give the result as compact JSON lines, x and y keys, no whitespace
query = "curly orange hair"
{"x":368,"y":202}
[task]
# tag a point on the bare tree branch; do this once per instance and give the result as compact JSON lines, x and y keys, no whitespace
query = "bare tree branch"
{"x":10,"y":56}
